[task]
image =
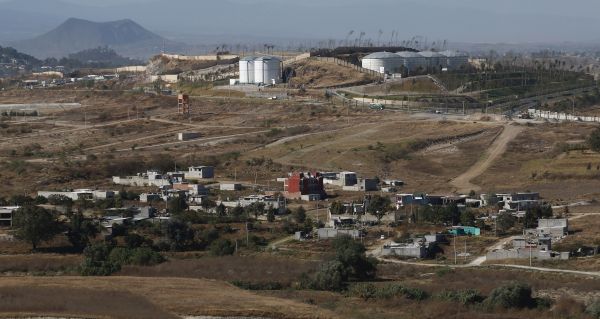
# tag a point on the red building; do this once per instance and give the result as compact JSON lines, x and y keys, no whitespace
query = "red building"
{"x":299,"y":184}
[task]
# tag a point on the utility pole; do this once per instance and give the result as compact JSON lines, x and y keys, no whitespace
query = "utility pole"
{"x":455,"y":249}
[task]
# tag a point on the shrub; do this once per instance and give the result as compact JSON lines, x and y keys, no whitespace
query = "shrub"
{"x":465,"y":297}
{"x":145,"y":257}
{"x":512,"y":295}
{"x":331,"y":276}
{"x":370,"y":291}
{"x":222,"y":247}
{"x":97,"y":262}
{"x":269,"y":285}
{"x":593,"y":308}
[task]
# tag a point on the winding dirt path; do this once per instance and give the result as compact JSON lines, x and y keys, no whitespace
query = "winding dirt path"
{"x":496,"y":149}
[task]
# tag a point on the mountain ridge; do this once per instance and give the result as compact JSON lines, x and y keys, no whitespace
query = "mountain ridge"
{"x":125,"y":36}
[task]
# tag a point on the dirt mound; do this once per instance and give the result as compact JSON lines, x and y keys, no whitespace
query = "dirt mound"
{"x":161,"y":64}
{"x":320,"y":74}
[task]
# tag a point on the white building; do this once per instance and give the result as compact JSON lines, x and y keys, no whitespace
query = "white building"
{"x":81,"y":194}
{"x":6,"y":215}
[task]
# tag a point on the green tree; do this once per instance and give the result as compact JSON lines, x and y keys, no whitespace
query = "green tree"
{"x":467,"y":218}
{"x":299,"y":215}
{"x":221,"y":210}
{"x":271,"y":215}
{"x":594,"y":140}
{"x":179,"y":234}
{"x":379,"y":206}
{"x":504,"y":222}
{"x":337,"y":208}
{"x":222,"y":247}
{"x":97,"y":262}
{"x":256,"y":208}
{"x":352,"y":255}
{"x":81,"y":231}
{"x":35,"y":225}
{"x":177,"y":205}
{"x":511,"y":295}
{"x":331,"y":276}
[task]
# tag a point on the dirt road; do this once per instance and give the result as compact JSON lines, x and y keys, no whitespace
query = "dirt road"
{"x":463,"y":183}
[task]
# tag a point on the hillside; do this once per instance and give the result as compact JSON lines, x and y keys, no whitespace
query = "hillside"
{"x":12,"y":56}
{"x":321,"y":74}
{"x":125,"y":36}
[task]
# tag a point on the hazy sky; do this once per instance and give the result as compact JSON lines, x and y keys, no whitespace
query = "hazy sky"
{"x":455,"y":20}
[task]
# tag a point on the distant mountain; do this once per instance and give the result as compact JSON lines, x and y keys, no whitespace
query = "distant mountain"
{"x":74,"y":35}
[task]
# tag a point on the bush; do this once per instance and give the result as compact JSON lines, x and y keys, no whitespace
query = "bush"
{"x":370,"y":291}
{"x":593,"y":308}
{"x":97,"y":262}
{"x":331,"y":276}
{"x":269,"y":285}
{"x":512,"y":295}
{"x":222,"y":247}
{"x":465,"y":297}
{"x":145,"y":257}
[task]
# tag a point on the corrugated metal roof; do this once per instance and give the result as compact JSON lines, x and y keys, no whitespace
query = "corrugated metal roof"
{"x":382,"y":55}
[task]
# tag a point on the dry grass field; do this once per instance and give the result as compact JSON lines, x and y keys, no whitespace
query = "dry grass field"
{"x":131,"y":297}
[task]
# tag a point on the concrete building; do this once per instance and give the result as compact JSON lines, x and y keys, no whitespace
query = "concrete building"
{"x":230,"y":187}
{"x":326,"y":233}
{"x":6,"y":215}
{"x":302,"y":184}
{"x":415,"y":248}
{"x":191,"y":189}
{"x":555,"y":228}
{"x":150,"y":197}
{"x":278,"y":203}
{"x":363,"y":185}
{"x":77,"y":194}
{"x":150,"y":178}
{"x":200,"y":172}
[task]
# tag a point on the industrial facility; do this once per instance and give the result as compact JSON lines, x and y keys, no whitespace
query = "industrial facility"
{"x":407,"y":61}
{"x":260,"y":70}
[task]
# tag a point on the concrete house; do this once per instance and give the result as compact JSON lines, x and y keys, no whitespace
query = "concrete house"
{"x":81,"y":194}
{"x":200,"y":172}
{"x":150,"y":178}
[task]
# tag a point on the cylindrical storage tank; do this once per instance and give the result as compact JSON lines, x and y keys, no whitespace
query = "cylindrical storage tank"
{"x":247,"y":70}
{"x":383,"y":62}
{"x":267,"y":70}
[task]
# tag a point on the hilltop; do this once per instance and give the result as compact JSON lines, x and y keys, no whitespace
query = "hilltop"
{"x":125,"y":36}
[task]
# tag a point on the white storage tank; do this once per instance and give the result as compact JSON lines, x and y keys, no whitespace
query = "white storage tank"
{"x":382,"y":62}
{"x":267,"y":69}
{"x":455,"y":60}
{"x":412,"y":61}
{"x":247,"y":70}
{"x":434,"y":59}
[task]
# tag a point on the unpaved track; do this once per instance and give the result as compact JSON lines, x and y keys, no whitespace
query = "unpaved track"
{"x":463,"y":182}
